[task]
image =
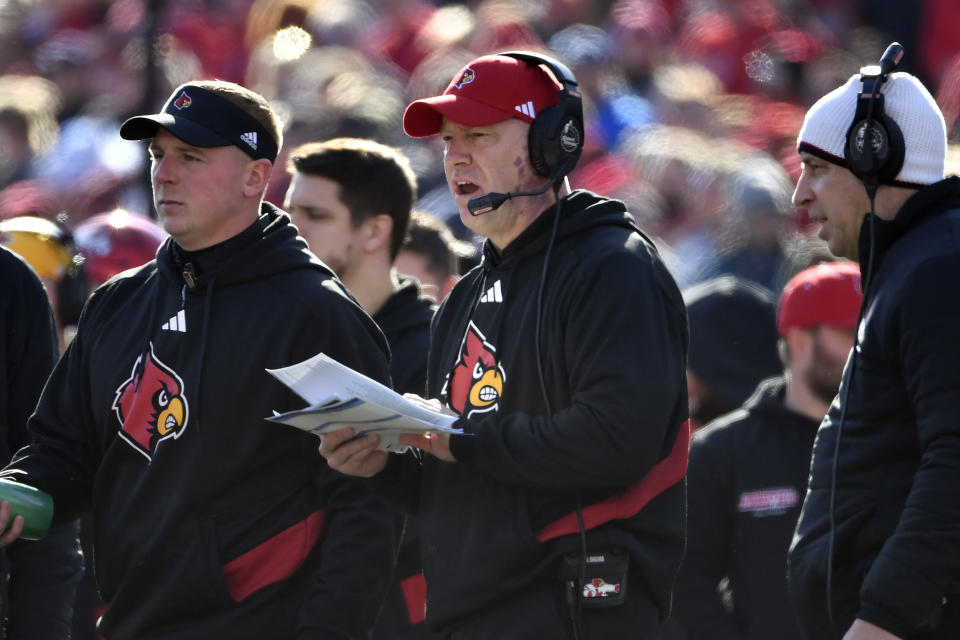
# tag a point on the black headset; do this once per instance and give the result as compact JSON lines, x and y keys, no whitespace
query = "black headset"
{"x":556,"y":135}
{"x":874,"y":148}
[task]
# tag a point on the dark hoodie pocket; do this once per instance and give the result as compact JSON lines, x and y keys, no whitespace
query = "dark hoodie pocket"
{"x":179,"y":581}
{"x":807,"y":576}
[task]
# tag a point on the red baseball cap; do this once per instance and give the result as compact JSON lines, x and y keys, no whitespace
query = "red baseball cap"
{"x":488,"y":90}
{"x":826,"y":294}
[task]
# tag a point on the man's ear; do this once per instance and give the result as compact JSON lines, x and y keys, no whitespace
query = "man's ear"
{"x":377,"y":232}
{"x":256,"y":176}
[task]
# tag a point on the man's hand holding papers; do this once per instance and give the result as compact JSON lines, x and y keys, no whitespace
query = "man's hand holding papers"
{"x":340,"y":397}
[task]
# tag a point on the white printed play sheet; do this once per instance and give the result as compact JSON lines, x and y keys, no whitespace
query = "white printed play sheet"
{"x":341,"y":397}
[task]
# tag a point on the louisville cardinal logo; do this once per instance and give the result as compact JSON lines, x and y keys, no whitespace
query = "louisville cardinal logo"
{"x":476,"y":382}
{"x":150,"y":404}
{"x":466,"y":78}
{"x":183,"y":101}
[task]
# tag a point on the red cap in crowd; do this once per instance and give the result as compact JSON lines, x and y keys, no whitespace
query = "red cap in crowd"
{"x":115,"y":241}
{"x":826,"y":294}
{"x":488,"y":90}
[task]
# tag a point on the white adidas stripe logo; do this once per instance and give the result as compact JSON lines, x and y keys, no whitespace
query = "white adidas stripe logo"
{"x":527,"y":109}
{"x":177,"y":323}
{"x":250,"y":138}
{"x":493,"y":294}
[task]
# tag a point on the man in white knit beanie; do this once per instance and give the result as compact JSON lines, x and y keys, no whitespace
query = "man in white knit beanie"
{"x":876,"y":553}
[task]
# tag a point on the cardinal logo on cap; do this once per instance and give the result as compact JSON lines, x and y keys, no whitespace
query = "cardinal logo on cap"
{"x":467,"y":77}
{"x":183,"y":101}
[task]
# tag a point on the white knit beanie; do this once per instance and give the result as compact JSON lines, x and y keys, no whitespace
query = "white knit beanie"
{"x":906,"y":102}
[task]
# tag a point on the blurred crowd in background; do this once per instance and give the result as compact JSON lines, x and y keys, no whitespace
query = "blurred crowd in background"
{"x":692,"y":106}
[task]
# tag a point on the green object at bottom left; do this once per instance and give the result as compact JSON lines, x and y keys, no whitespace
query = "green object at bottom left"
{"x":34,"y":505}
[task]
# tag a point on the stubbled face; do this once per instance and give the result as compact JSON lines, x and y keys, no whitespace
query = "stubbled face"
{"x":835,"y":199}
{"x":198,"y":192}
{"x":323,"y":220}
{"x":486,"y":159}
{"x":829,"y":351}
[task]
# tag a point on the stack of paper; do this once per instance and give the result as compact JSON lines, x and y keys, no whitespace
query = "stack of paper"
{"x":340,"y":397}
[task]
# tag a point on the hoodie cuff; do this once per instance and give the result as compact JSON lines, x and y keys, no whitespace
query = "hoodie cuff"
{"x":464,"y":446}
{"x":882,"y":618}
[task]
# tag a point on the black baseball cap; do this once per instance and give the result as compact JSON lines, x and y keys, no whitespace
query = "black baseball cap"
{"x":203,"y":118}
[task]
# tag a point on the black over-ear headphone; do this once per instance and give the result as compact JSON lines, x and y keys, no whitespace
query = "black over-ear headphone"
{"x":556,"y":135}
{"x":874,"y":148}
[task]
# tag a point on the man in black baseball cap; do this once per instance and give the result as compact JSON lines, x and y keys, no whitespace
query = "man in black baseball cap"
{"x":208,"y":521}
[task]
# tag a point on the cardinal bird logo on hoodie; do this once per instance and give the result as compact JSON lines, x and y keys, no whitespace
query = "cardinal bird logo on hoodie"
{"x":150,"y":404}
{"x":476,"y":382}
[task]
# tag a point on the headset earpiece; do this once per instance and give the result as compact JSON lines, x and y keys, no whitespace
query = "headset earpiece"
{"x":556,"y":135}
{"x":874,"y":149}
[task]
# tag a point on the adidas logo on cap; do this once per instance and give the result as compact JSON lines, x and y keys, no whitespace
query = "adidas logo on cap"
{"x":526,"y":109}
{"x":250,"y":138}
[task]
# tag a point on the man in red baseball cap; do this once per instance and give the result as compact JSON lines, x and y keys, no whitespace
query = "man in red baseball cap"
{"x":748,"y":469}
{"x":558,"y":512}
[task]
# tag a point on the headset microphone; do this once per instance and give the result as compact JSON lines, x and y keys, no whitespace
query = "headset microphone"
{"x":891,"y":58}
{"x":492,"y":201}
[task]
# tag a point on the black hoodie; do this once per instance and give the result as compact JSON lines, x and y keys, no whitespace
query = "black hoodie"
{"x":746,"y":481}
{"x":405,"y":321}
{"x":614,"y":347}
{"x":211,"y":522}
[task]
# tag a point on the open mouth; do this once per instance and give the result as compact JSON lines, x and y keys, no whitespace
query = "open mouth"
{"x":466,"y":188}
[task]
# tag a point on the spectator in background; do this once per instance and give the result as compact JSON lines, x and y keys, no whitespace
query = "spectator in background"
{"x":50,"y":249}
{"x":37,"y":579}
{"x":748,"y":469}
{"x":733,"y":344}
{"x":753,"y":244}
{"x":351,"y":200}
{"x":432,"y":254}
{"x":115,"y":241}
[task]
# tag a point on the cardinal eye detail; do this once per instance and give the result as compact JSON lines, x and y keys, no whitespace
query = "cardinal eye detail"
{"x":163,"y":399}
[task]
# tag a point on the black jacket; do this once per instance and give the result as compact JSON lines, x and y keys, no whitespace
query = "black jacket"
{"x":614,"y":345}
{"x":745,"y":483}
{"x":896,"y":537}
{"x":405,"y":321}
{"x":37,"y":579}
{"x":210,"y":521}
